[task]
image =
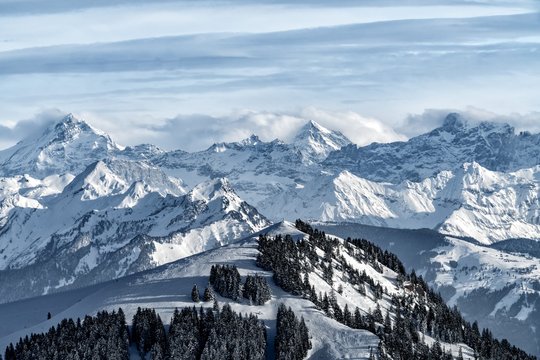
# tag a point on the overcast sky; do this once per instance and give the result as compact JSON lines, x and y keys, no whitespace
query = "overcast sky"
{"x":184,"y":74}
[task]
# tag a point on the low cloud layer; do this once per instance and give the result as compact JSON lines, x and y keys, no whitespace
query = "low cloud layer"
{"x":198,"y":131}
{"x":431,"y":118}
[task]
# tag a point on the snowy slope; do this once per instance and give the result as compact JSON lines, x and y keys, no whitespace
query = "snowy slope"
{"x":441,"y":180}
{"x":115,"y":218}
{"x":258,"y":170}
{"x":169,"y":286}
{"x":471,"y":201}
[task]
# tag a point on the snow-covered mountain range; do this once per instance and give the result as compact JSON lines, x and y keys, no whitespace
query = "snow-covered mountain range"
{"x":73,"y":190}
{"x":67,"y":146}
{"x":469,"y":201}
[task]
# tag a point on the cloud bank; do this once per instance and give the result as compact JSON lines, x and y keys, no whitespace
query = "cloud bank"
{"x":199,"y":131}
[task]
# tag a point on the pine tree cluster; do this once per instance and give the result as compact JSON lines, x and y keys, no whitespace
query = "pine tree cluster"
{"x":256,"y":290}
{"x":284,"y":257}
{"x":104,"y":336}
{"x":434,"y":318}
{"x":292,"y":338}
{"x":203,"y":334}
{"x":219,"y":334}
{"x":226,"y":281}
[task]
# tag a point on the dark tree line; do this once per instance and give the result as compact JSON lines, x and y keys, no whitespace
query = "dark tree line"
{"x":286,"y":259}
{"x":219,"y":334}
{"x":422,"y":310}
{"x":216,"y":334}
{"x":370,"y":252}
{"x":104,"y":336}
{"x":292,"y":338}
{"x":211,"y":334}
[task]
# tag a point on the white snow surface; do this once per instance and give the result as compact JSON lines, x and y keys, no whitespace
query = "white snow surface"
{"x":315,"y":142}
{"x":469,"y":267}
{"x":72,"y":190}
{"x":472,"y":201}
{"x":64,"y":147}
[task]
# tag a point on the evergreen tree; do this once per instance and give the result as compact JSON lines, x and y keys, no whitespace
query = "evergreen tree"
{"x":147,"y":331}
{"x":347,"y":316}
{"x":195,"y":294}
{"x":208,"y":294}
{"x":103,"y":337}
{"x":377,"y":314}
{"x":421,"y":310}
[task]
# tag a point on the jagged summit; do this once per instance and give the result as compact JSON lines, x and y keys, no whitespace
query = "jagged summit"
{"x":251,"y":140}
{"x":315,"y":142}
{"x":69,"y":129}
{"x":211,"y":189}
{"x":456,"y":123}
{"x":312,"y":124}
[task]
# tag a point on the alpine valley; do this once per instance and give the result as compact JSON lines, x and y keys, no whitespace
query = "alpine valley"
{"x":88,"y":225}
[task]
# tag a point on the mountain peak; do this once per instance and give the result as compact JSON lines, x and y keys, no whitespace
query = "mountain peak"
{"x":456,"y":122}
{"x":113,"y":176}
{"x":312,"y":124}
{"x":68,"y":145}
{"x":251,"y":140}
{"x":312,"y":127}
{"x":315,"y":142}
{"x":69,"y":128}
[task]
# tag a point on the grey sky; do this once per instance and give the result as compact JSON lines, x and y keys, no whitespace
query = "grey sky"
{"x":140,"y":70}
